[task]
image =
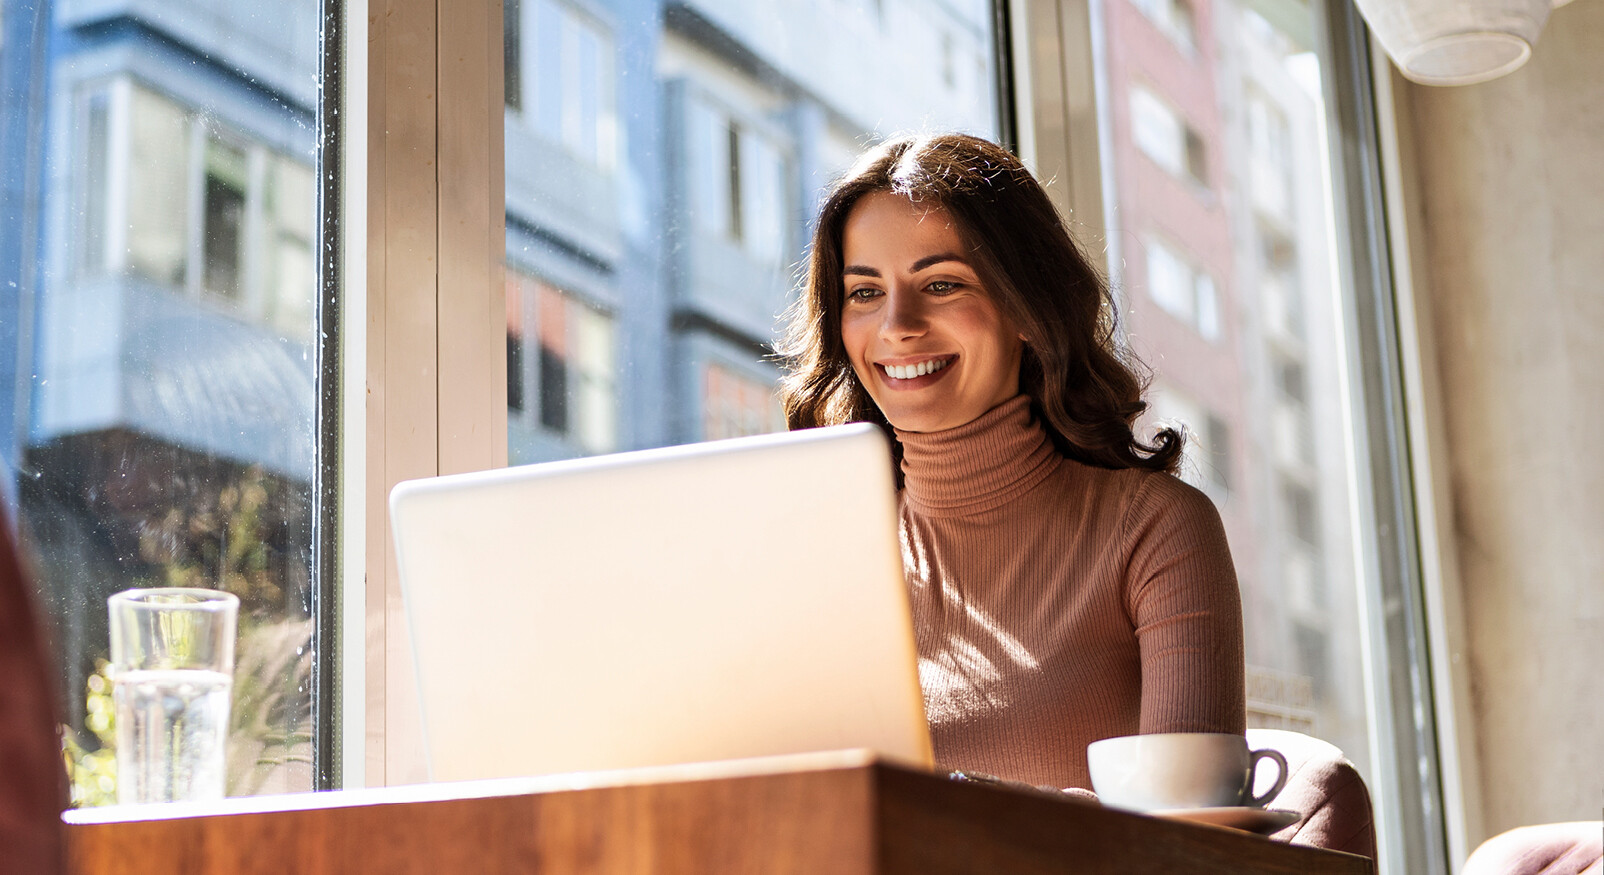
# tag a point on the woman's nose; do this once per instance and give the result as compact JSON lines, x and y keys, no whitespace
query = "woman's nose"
{"x":903,"y":316}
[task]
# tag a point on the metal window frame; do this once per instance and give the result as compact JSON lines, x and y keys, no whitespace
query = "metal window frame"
{"x":327,"y":686}
{"x":1411,"y":822}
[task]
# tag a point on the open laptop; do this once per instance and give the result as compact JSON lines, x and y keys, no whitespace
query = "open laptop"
{"x":714,"y":601}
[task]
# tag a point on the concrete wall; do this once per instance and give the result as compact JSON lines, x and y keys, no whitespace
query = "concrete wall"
{"x":1506,"y":209}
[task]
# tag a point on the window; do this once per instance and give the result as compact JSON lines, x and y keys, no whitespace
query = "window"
{"x":208,"y":211}
{"x":222,"y":227}
{"x":163,"y":429}
{"x":738,"y":181}
{"x":158,"y":173}
{"x":515,"y":372}
{"x":1270,"y":143}
{"x":712,"y":168}
{"x":117,"y":265}
{"x":735,"y":405}
{"x":1237,"y":266}
{"x":559,"y":77}
{"x":512,"y":53}
{"x":1174,"y":18}
{"x":564,"y":349}
{"x":1281,"y":289}
{"x":1184,"y":291}
{"x":1164,"y":137}
{"x":92,"y":183}
{"x":1289,"y":379}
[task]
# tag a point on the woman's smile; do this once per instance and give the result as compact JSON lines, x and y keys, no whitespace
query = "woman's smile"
{"x":907,"y":376}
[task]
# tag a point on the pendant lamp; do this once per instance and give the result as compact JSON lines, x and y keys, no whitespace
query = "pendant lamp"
{"x":1456,"y":42}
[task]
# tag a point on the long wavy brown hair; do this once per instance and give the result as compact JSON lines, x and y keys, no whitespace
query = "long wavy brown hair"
{"x":1083,"y":389}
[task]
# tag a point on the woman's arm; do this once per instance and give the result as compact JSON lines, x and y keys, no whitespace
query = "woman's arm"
{"x":1182,"y":597}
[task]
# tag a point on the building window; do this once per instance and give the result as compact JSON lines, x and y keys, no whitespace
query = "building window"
{"x":1175,"y":18}
{"x":1301,"y":517}
{"x":735,"y":404}
{"x":1164,"y":136}
{"x":158,"y":180}
{"x":737,"y":178}
{"x":572,"y":365}
{"x":554,"y":385}
{"x":1270,"y":148}
{"x":288,"y":273}
{"x":515,"y":373}
{"x":558,"y":65}
{"x":512,"y":54}
{"x":202,"y":208}
{"x":1289,"y":379}
{"x":223,"y":219}
{"x":1183,"y":290}
{"x":1280,"y":289}
{"x":93,"y":184}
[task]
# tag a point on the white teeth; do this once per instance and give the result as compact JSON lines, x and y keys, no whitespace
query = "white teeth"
{"x":908,"y":372}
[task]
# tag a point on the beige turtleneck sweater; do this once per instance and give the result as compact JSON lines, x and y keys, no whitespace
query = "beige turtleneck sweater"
{"x":1057,"y":603}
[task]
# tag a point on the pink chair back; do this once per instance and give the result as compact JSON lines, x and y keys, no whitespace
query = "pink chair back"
{"x":32,"y":779}
{"x":1326,"y":789}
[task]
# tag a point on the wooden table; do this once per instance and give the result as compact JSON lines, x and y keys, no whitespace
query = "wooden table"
{"x":844,"y":813}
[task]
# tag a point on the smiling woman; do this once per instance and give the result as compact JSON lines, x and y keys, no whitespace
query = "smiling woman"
{"x":966,"y":202}
{"x":1066,"y":587}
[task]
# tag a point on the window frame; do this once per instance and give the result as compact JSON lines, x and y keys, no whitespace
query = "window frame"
{"x":424,"y":190}
{"x":424,"y":234}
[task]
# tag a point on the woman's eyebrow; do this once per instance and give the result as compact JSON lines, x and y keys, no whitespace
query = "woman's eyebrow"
{"x":921,"y":264}
{"x":938,"y":258}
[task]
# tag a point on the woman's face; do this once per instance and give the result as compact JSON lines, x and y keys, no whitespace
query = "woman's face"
{"x":923,"y":335}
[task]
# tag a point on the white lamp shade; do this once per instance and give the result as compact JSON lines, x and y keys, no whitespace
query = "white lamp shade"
{"x":1456,"y":42}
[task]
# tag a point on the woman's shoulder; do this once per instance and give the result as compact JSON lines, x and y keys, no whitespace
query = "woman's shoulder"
{"x":1140,"y":493}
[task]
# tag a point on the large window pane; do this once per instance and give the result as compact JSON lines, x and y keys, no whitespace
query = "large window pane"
{"x":661,"y":170}
{"x":1222,"y":221}
{"x":157,"y":383}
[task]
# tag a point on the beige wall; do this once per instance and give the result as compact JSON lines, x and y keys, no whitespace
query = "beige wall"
{"x":1505,"y":183}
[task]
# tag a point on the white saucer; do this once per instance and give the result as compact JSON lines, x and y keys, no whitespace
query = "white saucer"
{"x":1259,"y":820}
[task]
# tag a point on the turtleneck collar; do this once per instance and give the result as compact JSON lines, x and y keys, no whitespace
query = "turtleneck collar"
{"x":979,"y":465}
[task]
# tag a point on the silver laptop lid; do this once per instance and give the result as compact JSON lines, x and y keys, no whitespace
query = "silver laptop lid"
{"x":713,"y":601}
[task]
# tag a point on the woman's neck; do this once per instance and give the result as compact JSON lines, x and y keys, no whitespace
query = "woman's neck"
{"x":978,"y":465}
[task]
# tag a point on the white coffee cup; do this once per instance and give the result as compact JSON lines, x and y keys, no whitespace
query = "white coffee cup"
{"x":1179,"y":770}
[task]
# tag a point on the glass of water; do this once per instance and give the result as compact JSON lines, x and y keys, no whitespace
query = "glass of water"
{"x":172,"y":655}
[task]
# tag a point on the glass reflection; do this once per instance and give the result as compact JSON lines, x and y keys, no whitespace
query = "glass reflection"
{"x":157,"y":386}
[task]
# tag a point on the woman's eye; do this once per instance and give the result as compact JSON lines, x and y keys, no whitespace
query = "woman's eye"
{"x":862,"y":294}
{"x":942,"y":287}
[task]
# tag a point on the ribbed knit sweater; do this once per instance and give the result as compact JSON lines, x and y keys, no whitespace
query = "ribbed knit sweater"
{"x":1057,"y":603}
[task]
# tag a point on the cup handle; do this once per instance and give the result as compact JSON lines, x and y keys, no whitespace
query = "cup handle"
{"x":1253,"y":772}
